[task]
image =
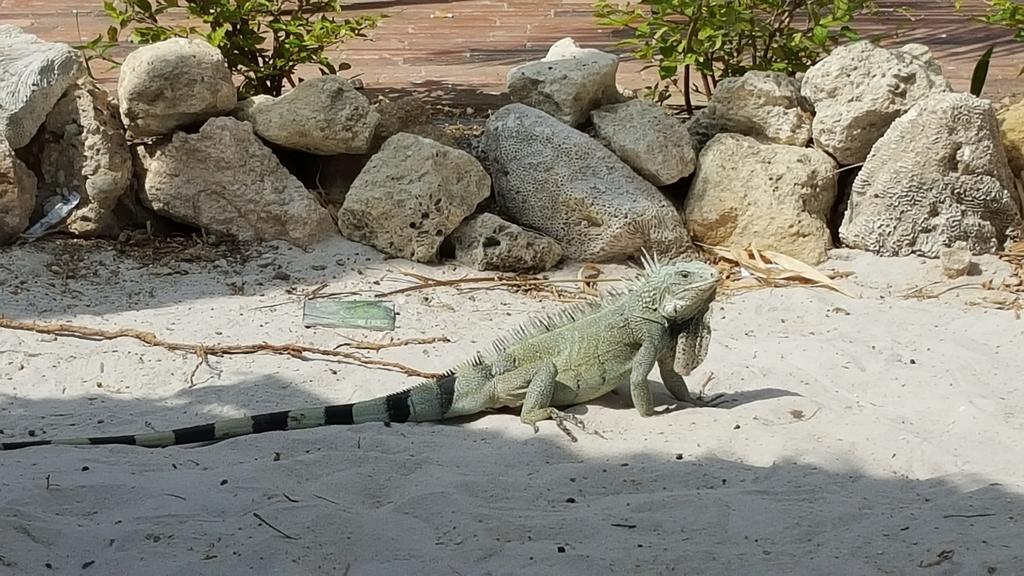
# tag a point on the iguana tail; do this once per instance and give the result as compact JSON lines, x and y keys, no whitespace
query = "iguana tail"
{"x":425,"y":402}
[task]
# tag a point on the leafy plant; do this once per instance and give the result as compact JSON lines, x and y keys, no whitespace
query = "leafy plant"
{"x":722,"y":38}
{"x":1007,"y":13}
{"x":263,"y":41}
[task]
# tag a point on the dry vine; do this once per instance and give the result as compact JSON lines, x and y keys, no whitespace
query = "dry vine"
{"x":203,"y":351}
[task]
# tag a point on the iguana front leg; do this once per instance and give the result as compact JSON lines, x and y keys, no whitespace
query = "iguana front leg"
{"x":643,"y":363}
{"x":537,"y":404}
{"x":676,"y":384}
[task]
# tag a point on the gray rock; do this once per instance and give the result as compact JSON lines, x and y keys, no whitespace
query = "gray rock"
{"x":173,"y":84}
{"x":567,"y":83}
{"x":323,"y":115}
{"x":939,"y":176}
{"x":17,"y":194}
{"x":486,"y":242}
{"x":33,"y":75}
{"x":767,"y":106}
{"x":860,"y":88}
{"x":83,"y":148}
{"x":225,"y":180}
{"x":774,"y":195}
{"x":411,"y":195}
{"x":556,"y":180}
{"x":648,"y":139}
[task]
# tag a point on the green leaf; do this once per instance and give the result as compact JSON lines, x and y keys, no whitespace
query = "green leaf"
{"x":217,"y":35}
{"x":980,"y":73}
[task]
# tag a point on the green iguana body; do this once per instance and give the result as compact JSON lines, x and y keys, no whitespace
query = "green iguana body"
{"x":567,"y":359}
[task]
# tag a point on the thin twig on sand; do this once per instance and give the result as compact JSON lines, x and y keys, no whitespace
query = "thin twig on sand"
{"x":506,"y":281}
{"x":299,"y":351}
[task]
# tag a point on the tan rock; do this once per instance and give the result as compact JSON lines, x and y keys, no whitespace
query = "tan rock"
{"x":774,"y":195}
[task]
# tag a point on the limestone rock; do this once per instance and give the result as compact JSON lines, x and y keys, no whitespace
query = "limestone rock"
{"x":83,"y":148}
{"x":33,"y":75}
{"x":956,"y":262}
{"x":567,"y":83}
{"x":646,"y":138}
{"x":411,"y":195}
{"x":766,"y":106}
{"x":486,"y":242}
{"x":1011,"y":125}
{"x":224,"y":179}
{"x":410,"y":115}
{"x":860,"y":88}
{"x":173,"y":84}
{"x":323,"y":115}
{"x":939,"y":176}
{"x":17,"y":194}
{"x":775,"y":195}
{"x":556,"y":180}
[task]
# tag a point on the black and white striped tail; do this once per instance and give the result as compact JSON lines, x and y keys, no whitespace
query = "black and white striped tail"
{"x":426,"y":402}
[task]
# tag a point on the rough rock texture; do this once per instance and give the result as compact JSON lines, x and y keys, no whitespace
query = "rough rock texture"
{"x":646,"y":138}
{"x":323,"y":115}
{"x":767,"y":106}
{"x":83,"y":148}
{"x":17,"y":194}
{"x":411,"y":195}
{"x":1011,"y":125}
{"x":956,"y":262}
{"x":487,"y":242}
{"x":173,"y":84}
{"x":939,"y":176}
{"x":225,"y":180}
{"x":774,"y":195}
{"x":860,"y":88}
{"x":567,"y":83}
{"x":409,"y":114}
{"x":556,"y":180}
{"x":33,"y":75}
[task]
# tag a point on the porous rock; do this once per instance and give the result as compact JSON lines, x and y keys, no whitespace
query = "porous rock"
{"x":17,"y":194}
{"x":646,"y":138}
{"x":939,"y":176}
{"x":567,"y":83}
{"x":764,"y":105}
{"x":487,"y":242}
{"x":410,"y":115}
{"x":83,"y":148}
{"x":173,"y":84}
{"x":1011,"y":126}
{"x":956,"y":261}
{"x":324,"y":115}
{"x":411,"y":195}
{"x":33,"y":75}
{"x":860,"y":88}
{"x":774,"y":195}
{"x":556,"y":180}
{"x":225,"y":180}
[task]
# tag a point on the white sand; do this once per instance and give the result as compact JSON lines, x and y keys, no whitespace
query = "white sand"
{"x":912,"y":411}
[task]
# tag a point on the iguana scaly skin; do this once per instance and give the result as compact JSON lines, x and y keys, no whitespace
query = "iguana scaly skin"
{"x":562,"y":360}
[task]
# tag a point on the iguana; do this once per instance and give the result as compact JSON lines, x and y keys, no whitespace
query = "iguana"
{"x":568,"y":358}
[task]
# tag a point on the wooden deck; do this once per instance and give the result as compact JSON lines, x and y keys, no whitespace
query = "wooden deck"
{"x":460,"y":50}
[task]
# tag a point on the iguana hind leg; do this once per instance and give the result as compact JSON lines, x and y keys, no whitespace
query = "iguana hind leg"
{"x":537,"y":404}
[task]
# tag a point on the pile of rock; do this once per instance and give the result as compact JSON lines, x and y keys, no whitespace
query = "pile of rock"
{"x":571,"y":168}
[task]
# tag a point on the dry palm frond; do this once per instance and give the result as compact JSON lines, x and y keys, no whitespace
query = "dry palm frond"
{"x":774,"y":269}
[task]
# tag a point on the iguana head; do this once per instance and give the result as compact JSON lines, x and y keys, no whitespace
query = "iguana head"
{"x":677,"y":290}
